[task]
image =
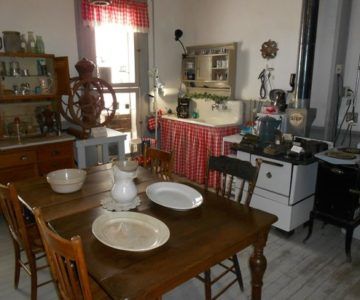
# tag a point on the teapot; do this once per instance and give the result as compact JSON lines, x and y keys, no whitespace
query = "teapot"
{"x":268,"y":129}
{"x":124,"y":191}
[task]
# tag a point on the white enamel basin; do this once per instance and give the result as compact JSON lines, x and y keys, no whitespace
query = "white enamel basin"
{"x":210,"y":121}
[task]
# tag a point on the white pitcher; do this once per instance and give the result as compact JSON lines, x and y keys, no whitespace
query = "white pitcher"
{"x":124,"y":190}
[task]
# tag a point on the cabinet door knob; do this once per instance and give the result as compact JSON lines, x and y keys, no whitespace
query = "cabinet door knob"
{"x":268,"y":175}
{"x":24,"y":157}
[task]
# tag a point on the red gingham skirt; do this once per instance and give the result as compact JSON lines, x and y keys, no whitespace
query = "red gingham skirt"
{"x":190,"y":144}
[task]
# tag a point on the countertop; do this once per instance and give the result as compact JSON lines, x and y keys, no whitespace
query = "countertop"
{"x":209,"y":122}
{"x":12,"y":143}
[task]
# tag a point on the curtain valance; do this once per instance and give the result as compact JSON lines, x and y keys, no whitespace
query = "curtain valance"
{"x":129,"y":13}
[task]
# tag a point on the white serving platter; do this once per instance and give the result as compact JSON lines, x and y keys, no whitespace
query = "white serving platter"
{"x":130,"y":231}
{"x":174,"y":195}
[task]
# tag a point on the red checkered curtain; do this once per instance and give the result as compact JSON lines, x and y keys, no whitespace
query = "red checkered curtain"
{"x":129,"y":13}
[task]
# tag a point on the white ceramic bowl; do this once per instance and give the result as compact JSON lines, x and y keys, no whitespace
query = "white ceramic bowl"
{"x":66,"y":180}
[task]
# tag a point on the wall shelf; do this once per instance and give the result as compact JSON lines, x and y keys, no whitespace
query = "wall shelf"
{"x":210,"y":65}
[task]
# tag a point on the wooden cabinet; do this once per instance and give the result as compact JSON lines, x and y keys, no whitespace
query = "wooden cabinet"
{"x":210,"y":68}
{"x":17,"y":165}
{"x":27,"y":162}
{"x":28,"y":76}
{"x":55,"y":156}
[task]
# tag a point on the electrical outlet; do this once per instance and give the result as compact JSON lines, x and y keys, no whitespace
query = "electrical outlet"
{"x":346,"y":91}
{"x":351,"y":117}
{"x":339,"y":69}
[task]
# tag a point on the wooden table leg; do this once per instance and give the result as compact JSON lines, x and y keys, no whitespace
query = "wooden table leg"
{"x":258,"y":264}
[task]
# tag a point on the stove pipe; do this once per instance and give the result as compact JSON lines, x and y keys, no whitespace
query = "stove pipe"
{"x":306,"y":52}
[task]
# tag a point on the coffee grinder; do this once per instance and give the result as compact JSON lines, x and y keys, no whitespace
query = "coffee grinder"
{"x":183,"y":108}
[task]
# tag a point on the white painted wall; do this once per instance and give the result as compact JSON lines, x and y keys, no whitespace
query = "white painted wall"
{"x":52,"y":19}
{"x":250,"y":23}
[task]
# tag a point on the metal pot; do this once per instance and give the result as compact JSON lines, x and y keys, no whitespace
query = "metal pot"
{"x":279,"y":98}
{"x":12,"y":41}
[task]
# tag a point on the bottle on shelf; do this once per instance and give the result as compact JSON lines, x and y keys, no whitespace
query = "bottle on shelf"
{"x":23,"y":43}
{"x":39,"y":45}
{"x":31,"y":42}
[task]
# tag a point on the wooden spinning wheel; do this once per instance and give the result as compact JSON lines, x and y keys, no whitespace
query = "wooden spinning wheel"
{"x":86,"y":105}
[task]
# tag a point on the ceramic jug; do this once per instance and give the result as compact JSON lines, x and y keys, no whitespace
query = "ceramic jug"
{"x":124,"y":190}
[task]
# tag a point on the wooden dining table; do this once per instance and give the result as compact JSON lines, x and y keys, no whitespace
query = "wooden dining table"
{"x":199,"y":237}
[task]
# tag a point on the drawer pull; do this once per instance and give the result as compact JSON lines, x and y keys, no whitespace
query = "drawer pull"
{"x":24,"y":157}
{"x":268,"y":175}
{"x":55,"y":152}
{"x":272,"y":163}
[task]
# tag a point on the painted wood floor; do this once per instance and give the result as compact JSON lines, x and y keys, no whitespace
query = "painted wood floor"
{"x":315,"y":270}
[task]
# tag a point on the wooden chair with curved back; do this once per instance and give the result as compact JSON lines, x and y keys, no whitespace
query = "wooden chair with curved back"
{"x":159,"y":162}
{"x":228,"y":168}
{"x":67,"y":264}
{"x":25,"y":237}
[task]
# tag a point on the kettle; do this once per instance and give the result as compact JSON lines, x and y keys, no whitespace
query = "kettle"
{"x":279,"y":98}
{"x":267,"y":130}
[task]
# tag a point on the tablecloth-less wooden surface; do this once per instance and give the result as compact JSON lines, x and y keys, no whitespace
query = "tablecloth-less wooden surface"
{"x":199,"y":238}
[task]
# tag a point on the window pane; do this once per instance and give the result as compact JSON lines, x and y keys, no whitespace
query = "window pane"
{"x":125,"y":115}
{"x":115,"y":49}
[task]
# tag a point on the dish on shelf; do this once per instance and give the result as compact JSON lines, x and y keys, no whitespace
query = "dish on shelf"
{"x":130,"y":231}
{"x":174,"y":195}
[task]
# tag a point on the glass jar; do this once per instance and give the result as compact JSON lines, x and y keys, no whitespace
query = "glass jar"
{"x":31,"y":42}
{"x":23,"y":44}
{"x":39,"y":45}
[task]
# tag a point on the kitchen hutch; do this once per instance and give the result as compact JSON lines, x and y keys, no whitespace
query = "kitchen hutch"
{"x":210,"y":69}
{"x":31,"y":78}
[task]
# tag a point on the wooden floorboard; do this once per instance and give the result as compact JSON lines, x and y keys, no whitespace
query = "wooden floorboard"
{"x":315,"y":270}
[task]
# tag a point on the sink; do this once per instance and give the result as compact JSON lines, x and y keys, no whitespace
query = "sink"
{"x":210,"y":121}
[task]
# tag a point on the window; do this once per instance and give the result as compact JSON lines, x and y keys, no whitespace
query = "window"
{"x":115,"y":51}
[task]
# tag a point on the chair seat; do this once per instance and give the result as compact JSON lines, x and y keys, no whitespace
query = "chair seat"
{"x":35,"y":239}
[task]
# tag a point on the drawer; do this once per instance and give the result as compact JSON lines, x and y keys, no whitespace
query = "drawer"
{"x":55,"y":151}
{"x":18,"y":173}
{"x":274,"y":175}
{"x":17,"y":158}
{"x":55,"y":164}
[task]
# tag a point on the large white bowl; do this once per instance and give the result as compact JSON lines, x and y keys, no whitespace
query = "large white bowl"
{"x":66,"y":180}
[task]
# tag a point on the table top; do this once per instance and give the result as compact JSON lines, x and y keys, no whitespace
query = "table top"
{"x":199,"y":238}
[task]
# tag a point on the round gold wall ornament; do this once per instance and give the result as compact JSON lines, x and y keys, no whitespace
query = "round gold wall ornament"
{"x":269,"y":49}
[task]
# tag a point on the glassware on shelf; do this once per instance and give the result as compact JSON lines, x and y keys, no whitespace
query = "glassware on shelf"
{"x":39,"y":45}
{"x":31,"y":42}
{"x":23,"y":43}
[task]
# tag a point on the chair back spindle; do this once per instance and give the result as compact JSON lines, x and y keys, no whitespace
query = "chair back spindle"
{"x":159,"y":162}
{"x":67,"y":262}
{"x":229,"y":168}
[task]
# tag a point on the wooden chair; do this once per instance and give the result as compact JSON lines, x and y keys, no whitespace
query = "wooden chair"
{"x":67,"y":264}
{"x":228,"y":168}
{"x":26,"y":238}
{"x":159,"y":162}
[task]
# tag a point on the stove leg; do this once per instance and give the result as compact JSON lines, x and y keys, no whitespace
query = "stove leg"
{"x":348,"y":240}
{"x":310,"y":224}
